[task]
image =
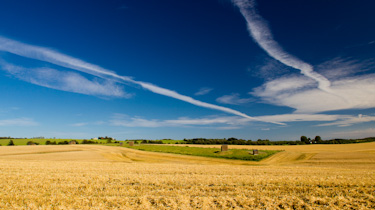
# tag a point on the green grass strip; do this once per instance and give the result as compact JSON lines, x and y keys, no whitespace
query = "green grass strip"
{"x":237,"y":154}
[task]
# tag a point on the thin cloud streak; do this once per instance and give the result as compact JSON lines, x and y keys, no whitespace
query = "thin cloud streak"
{"x":233,"y":99}
{"x":79,"y":124}
{"x":18,"y":122}
{"x":54,"y":57}
{"x":203,"y":91}
{"x":173,"y":94}
{"x":235,"y":122}
{"x":351,"y":120}
{"x":262,"y":35}
{"x":66,"y":81}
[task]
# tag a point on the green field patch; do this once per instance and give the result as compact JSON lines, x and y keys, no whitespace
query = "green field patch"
{"x":236,"y":154}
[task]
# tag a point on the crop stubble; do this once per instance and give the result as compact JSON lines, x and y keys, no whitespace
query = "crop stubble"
{"x":120,"y":178}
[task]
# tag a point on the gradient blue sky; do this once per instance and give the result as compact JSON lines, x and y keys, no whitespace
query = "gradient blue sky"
{"x":150,"y":69}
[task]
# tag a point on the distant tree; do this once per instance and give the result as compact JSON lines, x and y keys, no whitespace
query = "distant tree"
{"x":305,"y":140}
{"x":318,"y":140}
{"x":108,"y":140}
{"x":11,"y":143}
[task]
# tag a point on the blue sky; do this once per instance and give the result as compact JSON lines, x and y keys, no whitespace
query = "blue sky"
{"x":149,"y":69}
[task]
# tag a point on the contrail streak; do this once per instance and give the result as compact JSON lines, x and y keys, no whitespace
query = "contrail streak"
{"x":262,"y":35}
{"x":54,"y":57}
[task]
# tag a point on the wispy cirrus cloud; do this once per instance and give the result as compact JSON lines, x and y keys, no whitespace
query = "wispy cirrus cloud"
{"x":269,"y":69}
{"x":127,"y":121}
{"x":262,"y":35}
{"x":313,"y":93}
{"x":338,"y":68}
{"x":54,"y":57}
{"x":18,"y":122}
{"x":302,"y":117}
{"x":233,"y":99}
{"x":66,"y":81}
{"x":203,"y":91}
{"x":235,"y":122}
{"x":351,"y":120}
{"x":298,"y":93}
{"x":79,"y":124}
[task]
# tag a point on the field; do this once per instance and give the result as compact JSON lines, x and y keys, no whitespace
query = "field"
{"x":106,"y":177}
{"x":237,"y":154}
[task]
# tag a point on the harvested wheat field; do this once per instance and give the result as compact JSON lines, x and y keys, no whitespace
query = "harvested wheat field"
{"x":104,"y":177}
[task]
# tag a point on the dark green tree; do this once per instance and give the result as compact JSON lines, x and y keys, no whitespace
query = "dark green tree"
{"x":11,"y":143}
{"x":318,"y":140}
{"x":305,"y":140}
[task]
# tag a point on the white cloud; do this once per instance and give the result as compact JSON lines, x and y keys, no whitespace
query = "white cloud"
{"x":301,"y":117}
{"x":235,"y":122}
{"x":54,"y":57}
{"x":125,"y":121}
{"x":9,"y":109}
{"x":18,"y":122}
{"x":339,"y":68}
{"x":231,"y":120}
{"x":228,"y":128}
{"x":298,"y":93}
{"x":173,"y":94}
{"x":262,"y":35}
{"x":234,"y":99}
{"x":313,"y":93}
{"x":351,"y":120}
{"x":66,"y":81}
{"x":79,"y":124}
{"x":203,"y":91}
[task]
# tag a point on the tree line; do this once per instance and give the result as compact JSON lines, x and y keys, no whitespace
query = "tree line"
{"x":303,"y":140}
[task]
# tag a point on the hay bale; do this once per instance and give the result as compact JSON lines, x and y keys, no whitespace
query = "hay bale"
{"x":224,"y":148}
{"x":255,"y":152}
{"x":131,"y":143}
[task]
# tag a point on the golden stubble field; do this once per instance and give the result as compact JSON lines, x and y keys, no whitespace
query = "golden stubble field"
{"x":104,"y":177}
